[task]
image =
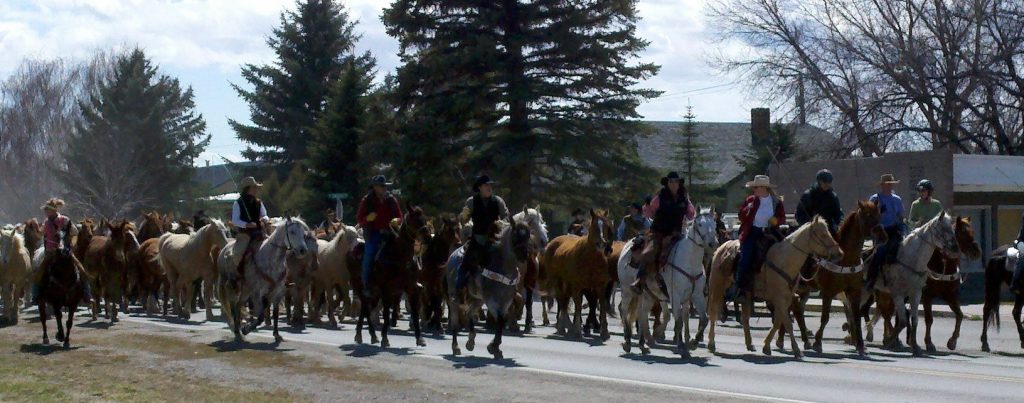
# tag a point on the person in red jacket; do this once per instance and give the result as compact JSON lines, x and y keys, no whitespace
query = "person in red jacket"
{"x":760,"y":216}
{"x":376,"y":210}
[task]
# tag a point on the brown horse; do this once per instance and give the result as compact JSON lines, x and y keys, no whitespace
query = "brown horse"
{"x":999,"y":271}
{"x":108,"y":260}
{"x":572,"y":265}
{"x":432,"y":275}
{"x":151,"y":227}
{"x":943,"y":281}
{"x":775,"y":283}
{"x":394,"y":273}
{"x":61,"y":288}
{"x":847,"y":275}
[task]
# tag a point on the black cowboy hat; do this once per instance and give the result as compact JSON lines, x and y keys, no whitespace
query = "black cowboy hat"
{"x":380,"y":180}
{"x":577,"y":212}
{"x":636,"y":205}
{"x":671,"y":176}
{"x":482,"y":180}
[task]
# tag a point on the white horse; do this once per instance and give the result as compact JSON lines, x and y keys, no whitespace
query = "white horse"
{"x":685,"y":278}
{"x":187,"y":258}
{"x":906,"y":278}
{"x":334,"y":275}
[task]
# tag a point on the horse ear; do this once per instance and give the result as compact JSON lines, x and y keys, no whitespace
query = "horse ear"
{"x":526,"y":210}
{"x":593,"y":213}
{"x":537,"y":208}
{"x":966,"y":219}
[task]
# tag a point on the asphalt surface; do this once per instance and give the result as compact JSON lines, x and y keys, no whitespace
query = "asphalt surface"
{"x":837,"y":374}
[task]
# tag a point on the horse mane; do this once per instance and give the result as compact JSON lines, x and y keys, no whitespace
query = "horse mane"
{"x":848,"y":224}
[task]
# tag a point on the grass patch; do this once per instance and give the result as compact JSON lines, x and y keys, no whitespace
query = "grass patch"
{"x":974,"y":317}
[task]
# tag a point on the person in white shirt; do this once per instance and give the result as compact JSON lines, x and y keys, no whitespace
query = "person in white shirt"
{"x":249,"y":216}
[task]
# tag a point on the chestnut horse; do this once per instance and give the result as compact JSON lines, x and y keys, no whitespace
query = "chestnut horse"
{"x":943,"y":281}
{"x":432,"y":275}
{"x":393,"y":274}
{"x":775,"y":283}
{"x":572,"y":265}
{"x":108,"y":260}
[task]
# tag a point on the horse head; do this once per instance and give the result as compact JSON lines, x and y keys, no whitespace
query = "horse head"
{"x":869,"y":221}
{"x":965,"y":238}
{"x":601,"y":231}
{"x":152,"y":226}
{"x":941,"y":234}
{"x":535,"y":221}
{"x":705,"y":227}
{"x":414,"y":224}
{"x":521,"y":238}
{"x":295,"y":231}
{"x":10,"y":243}
{"x":821,"y":241}
{"x":449,"y":232}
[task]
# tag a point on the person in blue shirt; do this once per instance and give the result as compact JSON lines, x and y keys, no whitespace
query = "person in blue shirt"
{"x":890,"y":206}
{"x":633,"y":224}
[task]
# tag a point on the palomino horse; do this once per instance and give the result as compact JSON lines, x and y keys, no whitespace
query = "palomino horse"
{"x":494,"y":286}
{"x":187,"y":258}
{"x":432,"y":275}
{"x":333,"y":281}
{"x":108,"y":261}
{"x":15,"y":267}
{"x":300,"y":276}
{"x":539,"y":240}
{"x":774,"y":283}
{"x":393,"y":274}
{"x":847,"y":275}
{"x":572,"y":265}
{"x":999,"y":271}
{"x":905,"y":279}
{"x":62,"y":287}
{"x":943,"y":281}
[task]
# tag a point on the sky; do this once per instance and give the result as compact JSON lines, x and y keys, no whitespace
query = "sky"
{"x":204,"y":43}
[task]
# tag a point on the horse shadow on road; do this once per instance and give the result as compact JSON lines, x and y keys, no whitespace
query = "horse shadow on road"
{"x":592,"y":341}
{"x":371,"y":350}
{"x":224,"y":346}
{"x":44,"y":349}
{"x":677,"y":360}
{"x":101,"y":324}
{"x":471,"y":362}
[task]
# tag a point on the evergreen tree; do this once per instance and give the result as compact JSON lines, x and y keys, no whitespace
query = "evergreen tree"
{"x":284,"y":194}
{"x":779,"y":146}
{"x":692,"y":156}
{"x":288,"y":95}
{"x":334,"y":162}
{"x":135,"y":143}
{"x":540,"y":94}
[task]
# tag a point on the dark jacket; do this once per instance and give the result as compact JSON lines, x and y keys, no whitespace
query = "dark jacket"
{"x":386,"y":210}
{"x":668,"y":218}
{"x":484,"y":212}
{"x":825,"y":203}
{"x":1020,"y":236}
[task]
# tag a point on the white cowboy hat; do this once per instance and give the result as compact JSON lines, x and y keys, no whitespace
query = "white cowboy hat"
{"x":760,"y":181}
{"x":248,"y":181}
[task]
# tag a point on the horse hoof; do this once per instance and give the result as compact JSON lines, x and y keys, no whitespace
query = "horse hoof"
{"x":861,"y":352}
{"x":750,"y":348}
{"x":798,"y":355}
{"x":693,"y":344}
{"x":767,"y":350}
{"x":46,"y":342}
{"x":645,"y":350}
{"x":67,"y":345}
{"x":711,"y":347}
{"x":605,"y":335}
{"x":984,"y":347}
{"x":456,"y":351}
{"x":626,"y":347}
{"x":807,"y":345}
{"x":114,"y":320}
{"x":470,"y":345}
{"x":385,"y":344}
{"x":931,"y":348}
{"x":816,"y":347}
{"x":918,"y":352}
{"x":60,"y":337}
{"x":278,"y":338}
{"x":684,"y":352}
{"x":848,"y":340}
{"x":779,"y":344}
{"x":951,"y":344}
{"x":420,"y":342}
{"x":359,"y":339}
{"x":528,"y":329}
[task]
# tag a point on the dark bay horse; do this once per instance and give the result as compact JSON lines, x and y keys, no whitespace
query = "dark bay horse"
{"x":432,"y":275}
{"x":61,"y":288}
{"x":999,"y":271}
{"x":393,"y":274}
{"x":108,"y":260}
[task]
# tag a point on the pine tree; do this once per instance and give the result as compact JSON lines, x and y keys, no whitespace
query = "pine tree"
{"x":288,"y":95}
{"x":335,"y":164}
{"x":542,"y":95}
{"x":692,"y":156}
{"x":135,"y":143}
{"x":779,"y":146}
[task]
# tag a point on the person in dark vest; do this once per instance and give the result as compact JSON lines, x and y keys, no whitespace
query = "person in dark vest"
{"x":52,"y":225}
{"x":821,"y":200}
{"x":249,"y":216}
{"x":633,"y":224}
{"x":483,"y":208}
{"x":671,"y":208}
{"x":376,"y":210}
{"x":760,"y":217}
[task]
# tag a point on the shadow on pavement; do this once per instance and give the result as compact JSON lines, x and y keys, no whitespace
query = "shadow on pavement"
{"x":370,"y":350}
{"x":470,"y":362}
{"x":223,"y":346}
{"x":42,"y":349}
{"x":654,"y":359}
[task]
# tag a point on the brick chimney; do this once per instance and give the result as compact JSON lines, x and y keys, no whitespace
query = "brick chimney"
{"x":760,"y":125}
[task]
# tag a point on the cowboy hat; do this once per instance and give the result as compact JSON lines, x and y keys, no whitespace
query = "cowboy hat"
{"x":482,"y":180}
{"x":760,"y":181}
{"x":380,"y":180}
{"x":54,"y":204}
{"x":671,"y":176}
{"x":247,"y":182}
{"x":888,"y":178}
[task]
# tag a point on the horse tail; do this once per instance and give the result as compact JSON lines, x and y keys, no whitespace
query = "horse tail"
{"x":993,"y":281}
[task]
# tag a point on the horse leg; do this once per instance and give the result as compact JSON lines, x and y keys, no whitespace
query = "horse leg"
{"x":853,"y":316}
{"x":777,"y":325}
{"x":562,"y":317}
{"x":604,"y":313}
{"x":643,"y":324}
{"x":58,"y":317}
{"x":414,"y":308}
{"x":471,"y":338}
{"x":661,"y":320}
{"x":928,"y":345}
{"x":1017,"y":305}
{"x":42,"y":319}
{"x":826,"y":306}
{"x":495,"y":347}
{"x":70,"y":323}
{"x":577,"y":318}
{"x":682,"y":313}
{"x":915,"y":302}
{"x":746,"y":310}
{"x":701,"y":305}
{"x":953,"y":298}
{"x":625,"y":307}
{"x":208,"y":299}
{"x":276,"y":313}
{"x":714,"y":306}
{"x":187,"y":293}
{"x":788,"y":326}
{"x":798,"y":311}
{"x":528,"y":305}
{"x":386,"y":325}
{"x":364,"y":313}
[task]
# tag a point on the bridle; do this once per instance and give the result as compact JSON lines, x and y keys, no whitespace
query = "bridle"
{"x":704,"y":243}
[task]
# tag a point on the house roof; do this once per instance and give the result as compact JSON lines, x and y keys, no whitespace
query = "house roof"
{"x":724,"y":140}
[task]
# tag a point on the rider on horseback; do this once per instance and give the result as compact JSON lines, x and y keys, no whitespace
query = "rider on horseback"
{"x":671,"y":208}
{"x":760,"y":217}
{"x":484,"y":208}
{"x":820,"y":200}
{"x":52,"y":225}
{"x":633,"y":224}
{"x":249,"y":216}
{"x":926,"y":207}
{"x":376,"y":210}
{"x":891,"y":207}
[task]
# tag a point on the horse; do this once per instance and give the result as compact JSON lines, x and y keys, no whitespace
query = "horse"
{"x":495,"y":286}
{"x":187,"y":258}
{"x":847,"y":275}
{"x":333,"y":280}
{"x":906,"y":278}
{"x":539,"y":240}
{"x":151,"y":227}
{"x":61,"y":288}
{"x":572,"y":265}
{"x":999,"y":271}
{"x":108,"y":260}
{"x":432,"y":275}
{"x":775,"y":285}
{"x":393,"y":274}
{"x":300,"y":276}
{"x":15,"y":270}
{"x":262,"y":283}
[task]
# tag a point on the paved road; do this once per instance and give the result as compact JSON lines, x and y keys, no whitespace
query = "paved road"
{"x":835,"y":375}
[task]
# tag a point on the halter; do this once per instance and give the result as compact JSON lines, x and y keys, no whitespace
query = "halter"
{"x":703,"y":244}
{"x":287,"y":238}
{"x":799,"y":276}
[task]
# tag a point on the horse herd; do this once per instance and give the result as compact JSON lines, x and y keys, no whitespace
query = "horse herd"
{"x":159,"y":260}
